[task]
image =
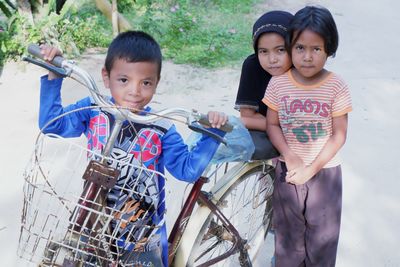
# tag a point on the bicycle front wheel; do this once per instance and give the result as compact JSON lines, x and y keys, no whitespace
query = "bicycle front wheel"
{"x":247,"y":204}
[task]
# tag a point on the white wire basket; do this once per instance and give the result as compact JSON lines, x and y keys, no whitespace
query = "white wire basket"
{"x":63,"y":223}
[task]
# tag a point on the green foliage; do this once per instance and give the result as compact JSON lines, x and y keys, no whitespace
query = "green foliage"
{"x":125,"y":5}
{"x":204,"y":33}
{"x":3,"y":38}
{"x":208,"y":33}
{"x":72,"y":31}
{"x":244,"y":6}
{"x":6,"y":9}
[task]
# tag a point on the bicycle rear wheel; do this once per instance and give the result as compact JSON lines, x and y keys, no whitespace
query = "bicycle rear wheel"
{"x":247,"y":204}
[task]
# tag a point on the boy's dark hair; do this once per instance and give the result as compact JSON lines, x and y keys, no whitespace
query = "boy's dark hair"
{"x":318,"y":20}
{"x":134,"y":46}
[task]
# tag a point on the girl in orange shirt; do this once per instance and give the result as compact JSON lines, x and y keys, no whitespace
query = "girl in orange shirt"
{"x":307,"y":123}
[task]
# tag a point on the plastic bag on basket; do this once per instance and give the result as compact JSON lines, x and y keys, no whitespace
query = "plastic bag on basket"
{"x":240,"y":146}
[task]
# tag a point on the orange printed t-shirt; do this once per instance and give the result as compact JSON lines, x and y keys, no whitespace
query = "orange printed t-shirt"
{"x":306,"y":112}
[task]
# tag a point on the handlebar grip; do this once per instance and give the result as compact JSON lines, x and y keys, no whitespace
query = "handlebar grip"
{"x":197,"y":127}
{"x":34,"y":50}
{"x":227,"y":127}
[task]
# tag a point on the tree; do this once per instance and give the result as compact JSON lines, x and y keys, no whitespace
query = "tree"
{"x":25,"y":10}
{"x":115,"y":17}
{"x":32,"y":9}
{"x":105,"y":7}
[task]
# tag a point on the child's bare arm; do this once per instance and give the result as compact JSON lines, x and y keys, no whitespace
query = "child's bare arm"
{"x":49,"y":52}
{"x":332,"y":146}
{"x":278,"y":140}
{"x":252,"y":119}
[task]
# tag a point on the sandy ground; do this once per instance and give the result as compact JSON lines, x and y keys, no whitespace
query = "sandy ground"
{"x":367,"y":59}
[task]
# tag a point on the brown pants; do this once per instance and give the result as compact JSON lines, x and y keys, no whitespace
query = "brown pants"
{"x":307,"y":219}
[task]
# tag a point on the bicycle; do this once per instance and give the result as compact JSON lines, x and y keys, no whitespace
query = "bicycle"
{"x":79,"y":244}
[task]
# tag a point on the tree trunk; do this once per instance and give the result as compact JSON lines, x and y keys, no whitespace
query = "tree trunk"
{"x":115,"y":18}
{"x":105,"y":7}
{"x":25,"y":10}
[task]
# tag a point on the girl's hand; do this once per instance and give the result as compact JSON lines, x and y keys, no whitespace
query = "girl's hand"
{"x":217,"y":119}
{"x":299,"y":176}
{"x":295,"y":167}
{"x":293,"y":161}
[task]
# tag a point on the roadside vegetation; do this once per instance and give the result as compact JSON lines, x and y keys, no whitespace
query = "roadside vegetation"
{"x":207,"y":33}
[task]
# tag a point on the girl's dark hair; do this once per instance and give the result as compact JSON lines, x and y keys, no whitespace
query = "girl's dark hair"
{"x":318,"y":20}
{"x":133,"y":46}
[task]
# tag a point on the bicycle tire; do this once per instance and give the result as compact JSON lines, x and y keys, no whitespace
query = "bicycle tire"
{"x":212,"y":234}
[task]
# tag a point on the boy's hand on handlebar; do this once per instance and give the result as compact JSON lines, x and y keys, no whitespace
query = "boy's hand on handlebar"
{"x":217,"y":119}
{"x":49,"y":52}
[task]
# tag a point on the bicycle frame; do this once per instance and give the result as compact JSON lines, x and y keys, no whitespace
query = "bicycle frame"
{"x":183,"y":233}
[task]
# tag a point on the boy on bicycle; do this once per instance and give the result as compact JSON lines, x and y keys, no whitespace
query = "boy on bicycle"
{"x":131,"y":72}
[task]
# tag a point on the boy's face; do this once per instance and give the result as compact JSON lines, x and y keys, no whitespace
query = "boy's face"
{"x":272,"y":54}
{"x":132,"y":84}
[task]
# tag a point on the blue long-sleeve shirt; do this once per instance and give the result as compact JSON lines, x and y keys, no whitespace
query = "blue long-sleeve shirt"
{"x":159,"y":144}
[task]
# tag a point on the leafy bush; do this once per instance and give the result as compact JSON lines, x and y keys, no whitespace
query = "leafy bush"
{"x":205,"y":33}
{"x":72,"y":32}
{"x":125,"y":4}
{"x":208,"y":33}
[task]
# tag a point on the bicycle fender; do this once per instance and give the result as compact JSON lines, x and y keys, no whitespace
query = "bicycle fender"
{"x":231,"y":177}
{"x":195,"y":223}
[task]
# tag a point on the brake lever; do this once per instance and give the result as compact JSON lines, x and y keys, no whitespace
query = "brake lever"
{"x":197,"y":127}
{"x":59,"y":71}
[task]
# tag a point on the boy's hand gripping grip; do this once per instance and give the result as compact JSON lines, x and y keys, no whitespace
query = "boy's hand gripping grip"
{"x":227,"y":127}
{"x":34,"y":50}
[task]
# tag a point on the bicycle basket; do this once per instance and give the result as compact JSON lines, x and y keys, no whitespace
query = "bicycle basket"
{"x":115,"y":221}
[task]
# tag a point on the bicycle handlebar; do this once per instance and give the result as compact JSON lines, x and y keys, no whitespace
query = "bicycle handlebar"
{"x":67,"y":68}
{"x":34,"y":50}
